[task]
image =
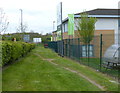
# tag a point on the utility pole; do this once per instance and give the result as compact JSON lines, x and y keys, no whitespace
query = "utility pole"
{"x":53,"y":25}
{"x":21,"y":23}
{"x":61,"y":21}
{"x":21,"y":20}
{"x":62,"y":31}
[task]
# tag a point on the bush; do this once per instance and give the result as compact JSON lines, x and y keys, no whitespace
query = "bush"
{"x":11,"y":51}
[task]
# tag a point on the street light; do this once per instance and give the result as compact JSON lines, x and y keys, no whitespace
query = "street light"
{"x":21,"y":20}
{"x":53,"y":25}
{"x":21,"y":23}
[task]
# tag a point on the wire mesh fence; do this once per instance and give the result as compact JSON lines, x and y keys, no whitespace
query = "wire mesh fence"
{"x":91,"y":54}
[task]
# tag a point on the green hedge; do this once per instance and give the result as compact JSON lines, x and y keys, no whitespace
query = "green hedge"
{"x":12,"y":51}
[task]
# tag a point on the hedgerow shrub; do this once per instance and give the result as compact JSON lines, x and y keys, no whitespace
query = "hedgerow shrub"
{"x":11,"y":51}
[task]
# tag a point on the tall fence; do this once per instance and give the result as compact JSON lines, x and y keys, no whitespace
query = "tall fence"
{"x":91,"y":54}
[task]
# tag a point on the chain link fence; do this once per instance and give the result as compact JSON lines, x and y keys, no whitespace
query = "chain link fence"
{"x":91,"y":54}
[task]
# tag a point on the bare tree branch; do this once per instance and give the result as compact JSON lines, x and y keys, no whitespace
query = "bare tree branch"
{"x":24,"y":28}
{"x":3,"y":21}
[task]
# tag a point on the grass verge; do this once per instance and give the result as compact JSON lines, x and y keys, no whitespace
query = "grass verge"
{"x":34,"y":74}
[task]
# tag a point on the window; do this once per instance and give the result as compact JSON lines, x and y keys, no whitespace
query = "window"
{"x":63,"y":27}
{"x":85,"y":53}
{"x":66,"y":27}
{"x":118,"y":22}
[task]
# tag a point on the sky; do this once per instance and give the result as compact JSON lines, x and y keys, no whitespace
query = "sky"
{"x":39,"y":15}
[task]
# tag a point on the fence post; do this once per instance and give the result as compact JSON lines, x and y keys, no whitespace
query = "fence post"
{"x":79,"y":49}
{"x":88,"y":54}
{"x":58,"y":47}
{"x":69,"y":48}
{"x":63,"y":48}
{"x":72,"y":48}
{"x":101,"y":51}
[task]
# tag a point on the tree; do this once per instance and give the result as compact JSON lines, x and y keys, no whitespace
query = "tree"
{"x":31,"y":31}
{"x":3,"y":21}
{"x":86,"y":27}
{"x":46,"y":38}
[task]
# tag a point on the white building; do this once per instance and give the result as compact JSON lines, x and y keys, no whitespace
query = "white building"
{"x":107,"y":22}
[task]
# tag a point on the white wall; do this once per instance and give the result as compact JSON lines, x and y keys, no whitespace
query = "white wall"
{"x":105,"y":24}
{"x":108,"y":24}
{"x":37,"y":40}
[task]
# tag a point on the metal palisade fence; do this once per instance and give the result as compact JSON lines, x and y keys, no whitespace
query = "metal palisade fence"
{"x":91,"y":54}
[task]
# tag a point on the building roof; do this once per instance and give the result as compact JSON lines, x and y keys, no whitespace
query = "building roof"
{"x":101,"y":11}
{"x":54,"y":31}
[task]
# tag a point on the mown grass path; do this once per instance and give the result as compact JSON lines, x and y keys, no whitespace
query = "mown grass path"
{"x":81,"y":75}
{"x":44,"y":70}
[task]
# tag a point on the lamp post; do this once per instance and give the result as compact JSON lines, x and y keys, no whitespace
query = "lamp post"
{"x":21,"y":24}
{"x":61,"y":21}
{"x":53,"y":25}
{"x":21,"y":20}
